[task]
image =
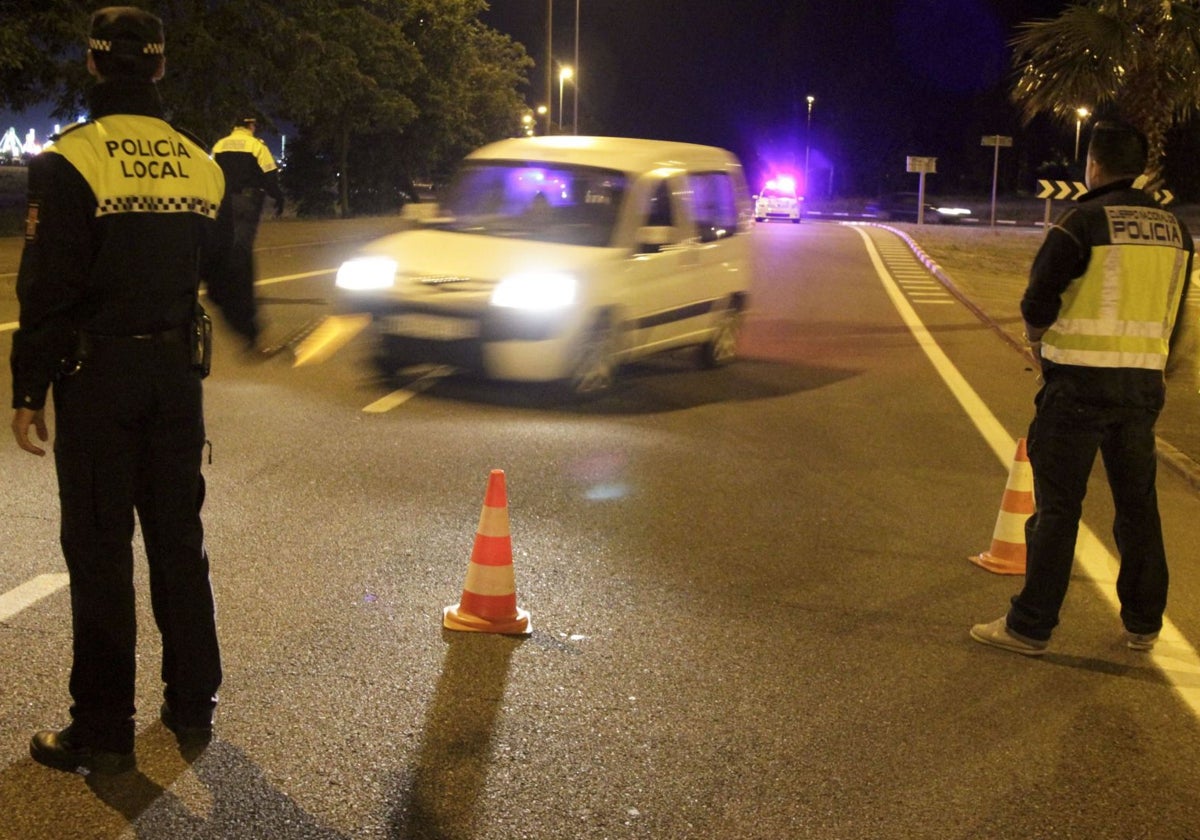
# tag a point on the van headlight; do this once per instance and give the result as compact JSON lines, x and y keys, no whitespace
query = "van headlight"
{"x":535,"y":291}
{"x":365,"y":274}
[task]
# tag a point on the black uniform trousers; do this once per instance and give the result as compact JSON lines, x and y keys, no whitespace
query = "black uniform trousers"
{"x":130,"y":436}
{"x":1063,"y":440}
{"x":232,"y":290}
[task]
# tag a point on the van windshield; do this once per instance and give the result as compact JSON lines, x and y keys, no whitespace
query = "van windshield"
{"x":574,"y":205}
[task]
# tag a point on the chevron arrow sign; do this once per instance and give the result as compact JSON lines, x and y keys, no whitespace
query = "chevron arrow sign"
{"x":1061,"y":190}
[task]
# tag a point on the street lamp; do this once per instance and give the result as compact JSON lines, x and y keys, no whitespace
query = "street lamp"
{"x":1081,"y":114}
{"x":563,"y":74}
{"x":543,"y":111}
{"x":810,"y":99}
{"x":575,"y":97}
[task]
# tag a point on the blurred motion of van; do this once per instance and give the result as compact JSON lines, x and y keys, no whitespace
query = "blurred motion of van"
{"x":902,"y":207}
{"x":557,"y":259}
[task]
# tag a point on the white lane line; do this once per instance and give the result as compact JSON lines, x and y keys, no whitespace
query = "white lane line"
{"x":266,"y":281}
{"x":283,"y":278}
{"x":29,"y":593}
{"x":1173,"y":655}
{"x":398,"y":398}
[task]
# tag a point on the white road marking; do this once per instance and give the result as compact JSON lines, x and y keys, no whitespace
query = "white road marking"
{"x":29,"y":593}
{"x":266,"y":281}
{"x":398,"y":398}
{"x":1173,"y":655}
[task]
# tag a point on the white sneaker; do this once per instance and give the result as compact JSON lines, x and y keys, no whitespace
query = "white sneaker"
{"x":1140,"y":641}
{"x":997,"y":634}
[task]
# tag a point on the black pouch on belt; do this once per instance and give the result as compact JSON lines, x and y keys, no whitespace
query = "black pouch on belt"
{"x":201,"y":343}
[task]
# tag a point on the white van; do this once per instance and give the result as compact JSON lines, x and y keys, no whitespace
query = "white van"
{"x":559,"y":258}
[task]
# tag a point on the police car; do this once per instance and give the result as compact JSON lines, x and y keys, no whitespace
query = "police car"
{"x":557,"y":259}
{"x":778,"y":200}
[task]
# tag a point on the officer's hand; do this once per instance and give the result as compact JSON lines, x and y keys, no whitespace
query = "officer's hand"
{"x":23,"y":418}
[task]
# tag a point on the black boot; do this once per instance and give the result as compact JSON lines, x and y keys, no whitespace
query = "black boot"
{"x":59,"y":749}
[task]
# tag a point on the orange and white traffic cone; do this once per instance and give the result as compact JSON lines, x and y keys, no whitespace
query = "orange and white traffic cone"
{"x":1007,"y":554}
{"x":489,"y":598}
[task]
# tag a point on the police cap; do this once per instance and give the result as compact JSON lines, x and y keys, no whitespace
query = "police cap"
{"x":126,"y":30}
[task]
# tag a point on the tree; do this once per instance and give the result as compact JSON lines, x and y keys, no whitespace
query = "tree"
{"x":419,"y":82}
{"x":349,"y":68}
{"x":33,"y":32}
{"x":1138,"y":60}
{"x":467,"y":90}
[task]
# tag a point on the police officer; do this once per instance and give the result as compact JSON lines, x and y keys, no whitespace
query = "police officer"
{"x":250,"y":174}
{"x":122,"y":225}
{"x":1102,"y":312}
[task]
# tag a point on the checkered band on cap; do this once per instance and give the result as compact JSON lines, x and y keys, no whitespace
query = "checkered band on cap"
{"x":156,"y":204}
{"x":126,"y":30}
{"x":99,"y":45}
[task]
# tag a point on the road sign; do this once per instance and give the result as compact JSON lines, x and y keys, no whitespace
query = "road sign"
{"x":921,"y":164}
{"x":999,"y":141}
{"x":1061,"y":190}
{"x":1164,"y":196}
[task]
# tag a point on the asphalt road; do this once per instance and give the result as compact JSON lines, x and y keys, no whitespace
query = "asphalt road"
{"x":749,"y":590}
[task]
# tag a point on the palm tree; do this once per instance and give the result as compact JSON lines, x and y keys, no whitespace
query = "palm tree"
{"x":1138,"y":60}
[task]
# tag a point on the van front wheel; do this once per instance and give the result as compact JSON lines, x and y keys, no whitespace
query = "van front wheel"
{"x":721,"y":348}
{"x":596,"y":362}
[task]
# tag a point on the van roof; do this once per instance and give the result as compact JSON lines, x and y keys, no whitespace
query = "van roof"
{"x":623,"y":153}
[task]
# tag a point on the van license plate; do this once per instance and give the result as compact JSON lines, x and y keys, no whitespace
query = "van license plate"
{"x":436,"y":327}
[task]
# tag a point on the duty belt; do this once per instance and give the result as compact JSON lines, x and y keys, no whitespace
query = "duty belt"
{"x":170,"y":336}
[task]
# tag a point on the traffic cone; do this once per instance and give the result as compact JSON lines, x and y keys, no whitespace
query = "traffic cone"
{"x":1007,"y":554}
{"x":489,"y":598}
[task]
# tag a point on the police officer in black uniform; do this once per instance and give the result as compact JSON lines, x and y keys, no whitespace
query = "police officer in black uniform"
{"x":122,"y":225}
{"x":1103,"y":311}
{"x":250,"y":174}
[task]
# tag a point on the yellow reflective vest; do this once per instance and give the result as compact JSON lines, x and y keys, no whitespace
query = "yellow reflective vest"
{"x":139,"y":164}
{"x":1121,"y":311}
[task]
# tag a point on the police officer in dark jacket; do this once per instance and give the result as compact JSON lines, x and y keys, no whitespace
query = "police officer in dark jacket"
{"x":1102,"y":312}
{"x":122,"y":225}
{"x":250,"y":174}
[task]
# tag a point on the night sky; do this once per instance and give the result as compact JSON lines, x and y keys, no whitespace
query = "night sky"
{"x":891,"y":78}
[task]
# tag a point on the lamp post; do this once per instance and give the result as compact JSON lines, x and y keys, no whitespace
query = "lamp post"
{"x":563,"y":74}
{"x":1081,"y":114}
{"x":575,"y":95}
{"x":543,"y":111}
{"x":810,"y":99}
{"x":549,"y":62}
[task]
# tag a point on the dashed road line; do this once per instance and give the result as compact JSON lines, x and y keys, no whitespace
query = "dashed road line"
{"x":29,"y":593}
{"x":403,"y":395}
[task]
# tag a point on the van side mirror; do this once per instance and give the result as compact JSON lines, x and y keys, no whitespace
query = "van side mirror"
{"x":418,"y":212}
{"x":652,"y":238}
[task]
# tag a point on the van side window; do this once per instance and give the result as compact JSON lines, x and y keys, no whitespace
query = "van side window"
{"x":713,"y":205}
{"x":659,"y":214}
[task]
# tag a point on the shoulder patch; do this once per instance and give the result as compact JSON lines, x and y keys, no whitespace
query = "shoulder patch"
{"x":31,"y":221}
